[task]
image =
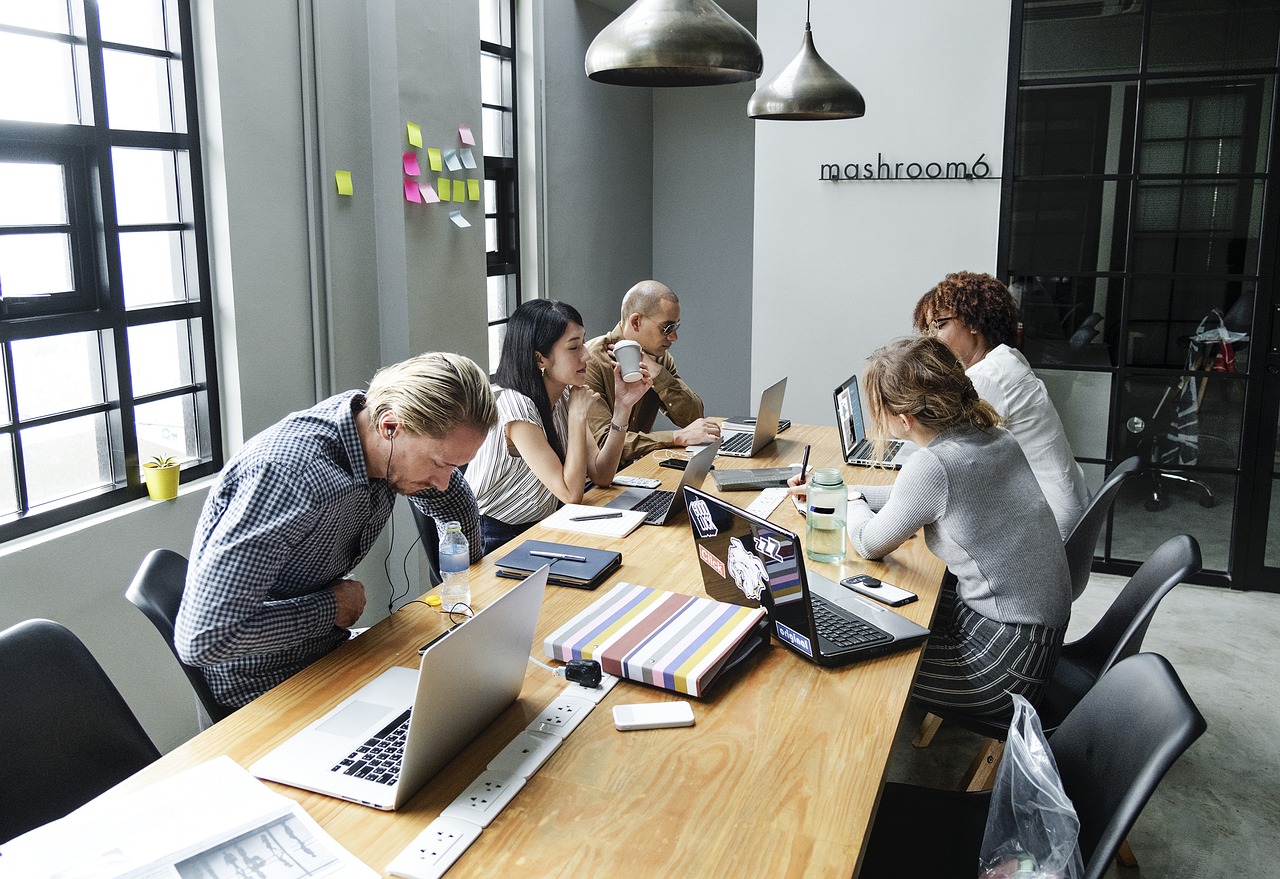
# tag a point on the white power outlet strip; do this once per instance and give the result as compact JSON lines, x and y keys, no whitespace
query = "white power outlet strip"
{"x":562,"y":716}
{"x":525,"y":754}
{"x":484,"y":798}
{"x":435,"y":849}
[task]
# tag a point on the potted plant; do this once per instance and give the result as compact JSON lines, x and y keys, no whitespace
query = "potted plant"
{"x":161,"y":475}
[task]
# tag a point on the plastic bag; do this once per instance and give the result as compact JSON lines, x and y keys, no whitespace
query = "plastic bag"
{"x":1032,"y":828}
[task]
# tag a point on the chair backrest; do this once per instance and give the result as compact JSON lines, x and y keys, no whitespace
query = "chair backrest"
{"x":1116,"y":745}
{"x":156,"y":590}
{"x":1083,"y":539}
{"x":1119,"y":632}
{"x":66,"y":721}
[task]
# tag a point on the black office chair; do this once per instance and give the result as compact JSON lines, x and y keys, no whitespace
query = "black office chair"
{"x":1112,"y":750}
{"x":156,"y":590}
{"x":1116,"y":635}
{"x":1082,"y":542}
{"x":65,"y":721}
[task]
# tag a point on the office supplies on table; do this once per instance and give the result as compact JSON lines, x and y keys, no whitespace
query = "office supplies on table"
{"x":595,"y":516}
{"x":753,"y":478}
{"x":749,"y":442}
{"x":579,"y":566}
{"x":669,"y":640}
{"x":573,"y":517}
{"x":854,"y":444}
{"x":660,"y":505}
{"x":753,"y":562}
{"x":482,"y":661}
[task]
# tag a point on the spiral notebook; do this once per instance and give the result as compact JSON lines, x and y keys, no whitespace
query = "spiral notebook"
{"x":619,"y":523}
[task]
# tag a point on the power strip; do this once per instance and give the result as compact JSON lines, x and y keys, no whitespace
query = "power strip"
{"x":767,"y":501}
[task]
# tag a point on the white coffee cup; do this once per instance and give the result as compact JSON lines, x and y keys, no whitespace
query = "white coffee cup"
{"x":628,"y":354}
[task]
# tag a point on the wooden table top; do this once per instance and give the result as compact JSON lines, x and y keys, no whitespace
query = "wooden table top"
{"x":779,"y":777}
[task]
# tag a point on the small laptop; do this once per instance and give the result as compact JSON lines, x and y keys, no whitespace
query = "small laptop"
{"x":857,"y":448}
{"x":483,"y":662}
{"x":748,"y":444}
{"x":660,"y":505}
{"x":753,"y":562}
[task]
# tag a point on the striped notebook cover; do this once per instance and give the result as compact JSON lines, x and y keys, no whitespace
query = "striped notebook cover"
{"x":665,"y":639}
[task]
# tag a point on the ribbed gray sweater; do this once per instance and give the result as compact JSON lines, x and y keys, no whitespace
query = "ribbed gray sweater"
{"x":984,"y":515}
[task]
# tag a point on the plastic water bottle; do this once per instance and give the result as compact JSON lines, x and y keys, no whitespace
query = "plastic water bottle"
{"x":455,"y":562}
{"x":828,"y":508}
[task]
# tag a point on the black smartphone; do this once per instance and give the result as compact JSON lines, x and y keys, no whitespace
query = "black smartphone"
{"x":673,"y":463}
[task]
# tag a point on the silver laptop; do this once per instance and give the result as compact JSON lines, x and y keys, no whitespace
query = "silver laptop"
{"x":748,"y":444}
{"x":855,"y":445}
{"x":751,"y":561}
{"x":483,"y":661}
{"x":659,"y":504}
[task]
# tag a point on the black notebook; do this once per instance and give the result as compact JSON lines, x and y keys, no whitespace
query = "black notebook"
{"x":579,"y":566}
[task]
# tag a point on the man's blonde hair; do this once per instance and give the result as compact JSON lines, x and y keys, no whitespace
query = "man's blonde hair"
{"x":921,"y":377}
{"x":432,"y":394}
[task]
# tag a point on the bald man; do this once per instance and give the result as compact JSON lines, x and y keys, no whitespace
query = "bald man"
{"x":650,"y":316}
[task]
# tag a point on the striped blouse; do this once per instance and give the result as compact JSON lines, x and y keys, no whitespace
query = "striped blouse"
{"x":505,"y":488}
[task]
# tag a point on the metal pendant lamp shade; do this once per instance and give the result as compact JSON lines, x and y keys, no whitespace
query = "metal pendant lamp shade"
{"x":674,"y":43}
{"x":807,"y":88}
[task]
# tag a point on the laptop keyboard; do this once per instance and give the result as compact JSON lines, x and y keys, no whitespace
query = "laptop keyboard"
{"x":655,"y":506}
{"x":844,"y":631}
{"x":866,"y":451}
{"x":379,"y":759}
{"x":737,"y":443}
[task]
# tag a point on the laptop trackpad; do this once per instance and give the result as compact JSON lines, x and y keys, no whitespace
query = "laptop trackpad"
{"x":356,"y":719}
{"x":629,"y":498}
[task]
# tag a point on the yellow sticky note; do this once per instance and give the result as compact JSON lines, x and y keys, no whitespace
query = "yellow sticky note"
{"x":415,"y":134}
{"x":459,"y":190}
{"x":445,"y":189}
{"x":473,"y":189}
{"x":343,"y":179}
{"x":434,"y":159}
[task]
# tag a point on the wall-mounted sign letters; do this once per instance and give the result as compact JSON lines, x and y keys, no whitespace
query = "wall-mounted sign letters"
{"x":979,"y":169}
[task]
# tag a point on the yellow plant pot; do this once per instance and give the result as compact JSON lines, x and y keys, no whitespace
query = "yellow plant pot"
{"x":162,"y":482}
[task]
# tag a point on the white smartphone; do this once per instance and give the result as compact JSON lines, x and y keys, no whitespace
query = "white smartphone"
{"x":883,"y":592}
{"x":653,"y":715}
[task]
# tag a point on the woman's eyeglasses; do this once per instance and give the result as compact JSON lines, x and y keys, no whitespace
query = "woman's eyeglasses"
{"x":936,"y":325}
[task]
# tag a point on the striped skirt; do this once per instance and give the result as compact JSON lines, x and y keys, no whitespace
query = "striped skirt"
{"x":973,"y":664}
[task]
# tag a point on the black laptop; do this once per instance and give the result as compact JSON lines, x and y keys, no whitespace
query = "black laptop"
{"x":751,"y":561}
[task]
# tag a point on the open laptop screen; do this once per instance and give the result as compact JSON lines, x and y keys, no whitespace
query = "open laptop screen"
{"x":849,"y":416}
{"x":750,"y":562}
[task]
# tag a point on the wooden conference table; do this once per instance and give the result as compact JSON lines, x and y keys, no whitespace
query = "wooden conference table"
{"x":780,"y":776}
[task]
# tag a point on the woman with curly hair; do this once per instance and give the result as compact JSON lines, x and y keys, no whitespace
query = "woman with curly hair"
{"x":1001,"y":618}
{"x":975,"y":317}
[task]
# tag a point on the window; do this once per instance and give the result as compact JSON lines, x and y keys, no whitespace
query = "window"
{"x":106,"y":354}
{"x":498,"y":89}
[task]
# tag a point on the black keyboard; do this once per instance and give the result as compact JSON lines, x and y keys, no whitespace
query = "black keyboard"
{"x":656,"y":505}
{"x":737,"y":442}
{"x":843,"y":630}
{"x":379,"y":759}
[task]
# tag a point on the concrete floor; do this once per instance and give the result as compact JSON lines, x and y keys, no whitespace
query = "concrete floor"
{"x":1217,"y":812}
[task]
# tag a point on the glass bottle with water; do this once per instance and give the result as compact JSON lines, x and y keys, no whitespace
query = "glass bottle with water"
{"x":455,"y":563}
{"x":828,"y":507}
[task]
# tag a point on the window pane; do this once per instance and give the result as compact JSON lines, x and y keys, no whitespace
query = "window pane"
{"x":491,"y":235}
{"x":1083,"y":401}
{"x":497,"y":132}
{"x":66,"y":458}
{"x":153,"y":267}
{"x":1068,"y":227}
{"x":44,"y":69}
{"x":166,"y":429}
{"x":1140,"y":526}
{"x":1197,"y":226}
{"x":40,"y":15}
{"x":1213,"y":34}
{"x":1205,"y":127}
{"x":138,"y":93}
{"x":1068,"y":320}
{"x":8,"y":487}
{"x":35,"y":265}
{"x":136,"y":22}
{"x":495,"y":80}
{"x":34,"y":194}
{"x":147,"y":186}
{"x":160,"y":357}
{"x":494,"y":26}
{"x":4,"y":399}
{"x":1077,"y":40}
{"x":1164,"y":314}
{"x":1067,"y":130}
{"x":57,"y":374}
{"x":496,"y":334}
{"x":1182,"y":421}
{"x":502,"y":296}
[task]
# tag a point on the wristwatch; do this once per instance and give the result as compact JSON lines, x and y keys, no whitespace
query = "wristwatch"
{"x":856,"y":496}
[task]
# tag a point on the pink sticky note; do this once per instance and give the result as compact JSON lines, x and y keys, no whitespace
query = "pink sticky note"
{"x":411,"y":191}
{"x":429,"y":194}
{"x":465,"y":135}
{"x":411,"y":164}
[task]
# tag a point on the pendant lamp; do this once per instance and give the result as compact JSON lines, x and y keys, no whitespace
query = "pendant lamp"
{"x":807,"y":88}
{"x":674,"y":43}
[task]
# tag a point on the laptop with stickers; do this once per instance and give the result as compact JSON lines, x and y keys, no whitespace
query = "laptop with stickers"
{"x":750,"y":561}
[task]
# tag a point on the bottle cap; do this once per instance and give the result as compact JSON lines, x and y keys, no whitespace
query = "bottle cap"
{"x":827,"y":476}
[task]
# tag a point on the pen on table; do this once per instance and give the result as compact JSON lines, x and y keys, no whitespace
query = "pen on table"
{"x":559,"y":556}
{"x":596,"y":516}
